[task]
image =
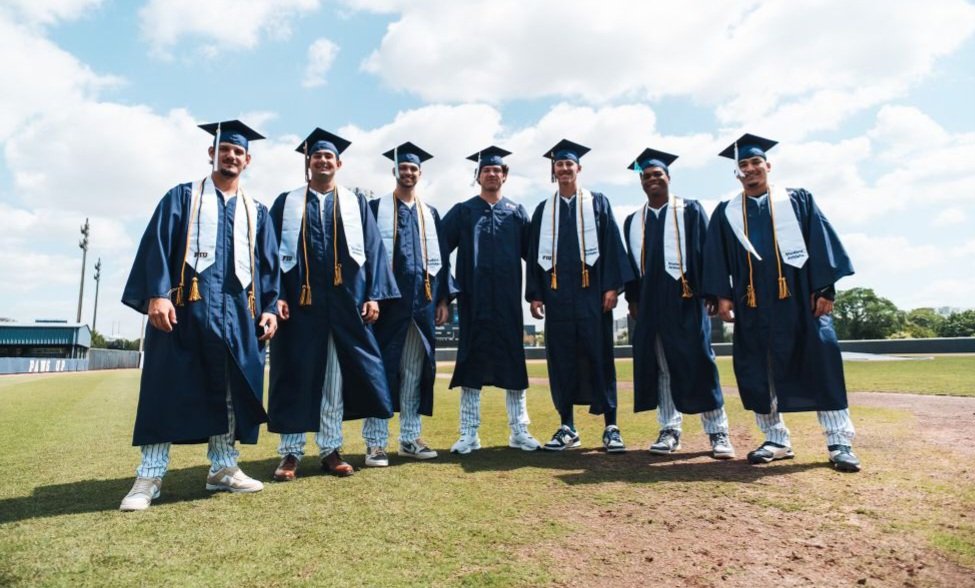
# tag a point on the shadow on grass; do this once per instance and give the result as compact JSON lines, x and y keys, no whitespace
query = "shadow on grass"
{"x":635,"y":466}
{"x":86,"y":496}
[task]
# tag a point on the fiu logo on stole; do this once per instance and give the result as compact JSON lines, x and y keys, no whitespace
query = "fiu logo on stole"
{"x":199,"y":254}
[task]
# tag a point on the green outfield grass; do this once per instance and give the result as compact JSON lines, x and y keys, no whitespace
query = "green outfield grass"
{"x":949,"y":375}
{"x":496,"y":518}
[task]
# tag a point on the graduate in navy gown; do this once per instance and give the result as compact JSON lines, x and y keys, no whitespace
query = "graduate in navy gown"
{"x":490,"y":234}
{"x":673,"y":364}
{"x":326,"y":366}
{"x":412,"y":237}
{"x":206,"y":274}
{"x":772,"y":259}
{"x":577,"y":265}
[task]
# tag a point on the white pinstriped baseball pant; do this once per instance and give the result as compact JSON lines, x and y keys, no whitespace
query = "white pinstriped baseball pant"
{"x":375,"y":431}
{"x":713,"y":421}
{"x":329,"y":435}
{"x":516,"y":403}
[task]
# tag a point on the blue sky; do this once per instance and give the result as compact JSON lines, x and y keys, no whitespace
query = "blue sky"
{"x":871,"y":101}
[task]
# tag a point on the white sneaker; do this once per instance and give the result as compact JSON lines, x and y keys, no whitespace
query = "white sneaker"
{"x":467,"y":443}
{"x":523,"y":440}
{"x":141,"y":495}
{"x":232,"y":480}
{"x":376,"y":457}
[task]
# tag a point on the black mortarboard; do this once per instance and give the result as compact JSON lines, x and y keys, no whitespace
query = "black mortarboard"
{"x":489,"y":156}
{"x":321,"y":140}
{"x":232,"y":131}
{"x":653,"y":158}
{"x":407,"y":152}
{"x":566,"y":149}
{"x":747,"y":146}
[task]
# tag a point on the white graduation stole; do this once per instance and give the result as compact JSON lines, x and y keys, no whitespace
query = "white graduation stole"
{"x":585,"y":230}
{"x":673,"y":219}
{"x":386,"y":219}
{"x":202,"y":251}
{"x":294,"y":207}
{"x":788,"y":234}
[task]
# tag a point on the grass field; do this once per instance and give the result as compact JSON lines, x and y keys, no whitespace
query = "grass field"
{"x":498,"y":517}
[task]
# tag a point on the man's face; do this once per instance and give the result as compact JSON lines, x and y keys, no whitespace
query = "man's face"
{"x":492,"y":177}
{"x":754,"y":178}
{"x":655,"y":182}
{"x":232,"y":159}
{"x":566,"y":171}
{"x":409,"y":174}
{"x":323,"y":165}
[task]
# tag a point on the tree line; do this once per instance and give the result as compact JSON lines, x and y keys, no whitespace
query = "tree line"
{"x":859,"y":313}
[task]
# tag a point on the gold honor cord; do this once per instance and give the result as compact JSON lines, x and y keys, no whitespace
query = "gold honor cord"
{"x":304,"y":297}
{"x":783,"y":287}
{"x":426,"y":262}
{"x":194,"y":206}
{"x":685,"y":287}
{"x":252,"y":295}
{"x":337,"y":267}
{"x":582,"y":253}
{"x":555,"y":245}
{"x":585,"y":270}
{"x":643,"y":241}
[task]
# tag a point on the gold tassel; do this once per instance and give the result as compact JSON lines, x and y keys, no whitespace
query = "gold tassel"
{"x":585,"y":277}
{"x":429,"y":290}
{"x":304,"y":299}
{"x":252,"y":303}
{"x":783,"y":288}
{"x":179,"y":295}
{"x":555,"y":280}
{"x":195,"y":290}
{"x":685,"y":288}
{"x":750,"y":296}
{"x":337,"y":280}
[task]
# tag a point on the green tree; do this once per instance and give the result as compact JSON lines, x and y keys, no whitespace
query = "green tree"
{"x":860,"y":314}
{"x":958,"y":324}
{"x":923,"y":323}
{"x":98,"y":341}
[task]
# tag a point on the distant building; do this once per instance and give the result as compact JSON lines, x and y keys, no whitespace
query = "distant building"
{"x":44,"y":346}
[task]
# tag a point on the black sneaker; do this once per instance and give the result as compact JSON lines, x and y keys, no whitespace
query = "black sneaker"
{"x":843,"y":459}
{"x":612,"y":440}
{"x":769,"y":451}
{"x":667,"y":442}
{"x":564,"y":438}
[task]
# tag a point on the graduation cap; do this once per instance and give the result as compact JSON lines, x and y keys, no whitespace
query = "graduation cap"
{"x":565,"y":149}
{"x":488,"y":156}
{"x":653,"y":158}
{"x":748,"y":146}
{"x":406,"y":153}
{"x":321,"y":140}
{"x":231,"y":131}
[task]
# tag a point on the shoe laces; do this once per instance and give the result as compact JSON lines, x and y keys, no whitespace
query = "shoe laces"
{"x":613,"y":435}
{"x":719,"y":438}
{"x":665,"y":435}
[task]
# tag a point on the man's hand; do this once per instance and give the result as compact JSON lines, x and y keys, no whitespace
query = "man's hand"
{"x":726,"y":310}
{"x":270,"y":323}
{"x":609,"y":300}
{"x":370,"y":312}
{"x":538,"y":309}
{"x":283,"y":311}
{"x":821,"y":306}
{"x":162,"y":314}
{"x":634,"y":307}
{"x":441,"y":314}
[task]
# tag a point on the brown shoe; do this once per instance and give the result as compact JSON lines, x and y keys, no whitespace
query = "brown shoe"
{"x":287,"y":469}
{"x":333,"y":464}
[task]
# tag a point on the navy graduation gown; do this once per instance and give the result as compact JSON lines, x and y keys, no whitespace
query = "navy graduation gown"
{"x":681,"y":323}
{"x":805,"y":355}
{"x":397,"y":316}
{"x":491,"y":243}
{"x":186,"y":373}
{"x":299,"y":349}
{"x":578,"y":334}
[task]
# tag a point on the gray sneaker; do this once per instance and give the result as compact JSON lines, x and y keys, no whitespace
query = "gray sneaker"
{"x":232,"y":480}
{"x":417,"y":449}
{"x":721,"y":447}
{"x":667,"y":442}
{"x":141,"y":495}
{"x":376,"y":457}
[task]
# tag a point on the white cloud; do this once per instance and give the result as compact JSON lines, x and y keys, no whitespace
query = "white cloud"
{"x":948,"y":217}
{"x":218,"y":25}
{"x":45,"y":12}
{"x":321,"y":55}
{"x":747,"y":60}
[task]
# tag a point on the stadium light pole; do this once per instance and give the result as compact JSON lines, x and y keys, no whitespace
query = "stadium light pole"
{"x":98,"y":280}
{"x":83,"y":244}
